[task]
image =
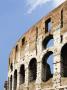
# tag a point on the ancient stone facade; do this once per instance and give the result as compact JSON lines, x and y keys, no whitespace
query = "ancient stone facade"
{"x":28,"y":62}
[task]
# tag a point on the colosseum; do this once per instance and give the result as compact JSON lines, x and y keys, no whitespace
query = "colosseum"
{"x":28,"y":67}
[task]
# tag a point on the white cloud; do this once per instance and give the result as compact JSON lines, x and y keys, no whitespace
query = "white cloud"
{"x":57,"y":2}
{"x":33,"y":4}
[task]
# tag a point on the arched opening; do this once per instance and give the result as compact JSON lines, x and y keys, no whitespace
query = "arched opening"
{"x":32,"y":70}
{"x":47,"y":66}
{"x":22,"y":74}
{"x":47,"y":42}
{"x":48,"y":25}
{"x":64,"y":60}
{"x":15,"y":79}
{"x":11,"y":82}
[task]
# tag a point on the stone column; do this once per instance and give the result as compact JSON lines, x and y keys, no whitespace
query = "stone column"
{"x":57,"y":71}
{"x":18,"y":65}
{"x":18,"y":79}
{"x":39,"y":63}
{"x":12,"y":82}
{"x":26,"y":78}
{"x":26,"y":66}
{"x":38,"y":80}
{"x":57,"y":58}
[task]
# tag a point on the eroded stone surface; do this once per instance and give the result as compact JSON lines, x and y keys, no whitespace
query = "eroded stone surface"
{"x":33,"y":47}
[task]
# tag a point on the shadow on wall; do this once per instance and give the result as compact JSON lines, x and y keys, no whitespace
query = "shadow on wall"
{"x":64,"y":60}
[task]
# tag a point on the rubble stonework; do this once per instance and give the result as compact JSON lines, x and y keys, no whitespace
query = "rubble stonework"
{"x":28,"y":68}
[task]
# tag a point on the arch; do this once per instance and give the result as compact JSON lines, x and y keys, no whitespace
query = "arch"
{"x":32,"y":69}
{"x":11,"y":82}
{"x":64,"y":60}
{"x":15,"y":79}
{"x":48,"y":25}
{"x":22,"y":74}
{"x":47,"y":72}
{"x":46,"y":41}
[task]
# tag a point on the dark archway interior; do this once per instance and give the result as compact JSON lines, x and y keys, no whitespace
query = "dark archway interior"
{"x":22,"y":74}
{"x":32,"y":70}
{"x":64,"y":60}
{"x":11,"y":67}
{"x":46,"y":70}
{"x":46,"y":40}
{"x":15,"y":79}
{"x":11,"y":82}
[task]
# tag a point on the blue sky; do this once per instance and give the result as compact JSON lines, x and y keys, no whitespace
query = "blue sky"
{"x":16,"y":16}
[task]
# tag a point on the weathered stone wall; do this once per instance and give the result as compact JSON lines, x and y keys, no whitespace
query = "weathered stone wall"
{"x":33,"y":45}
